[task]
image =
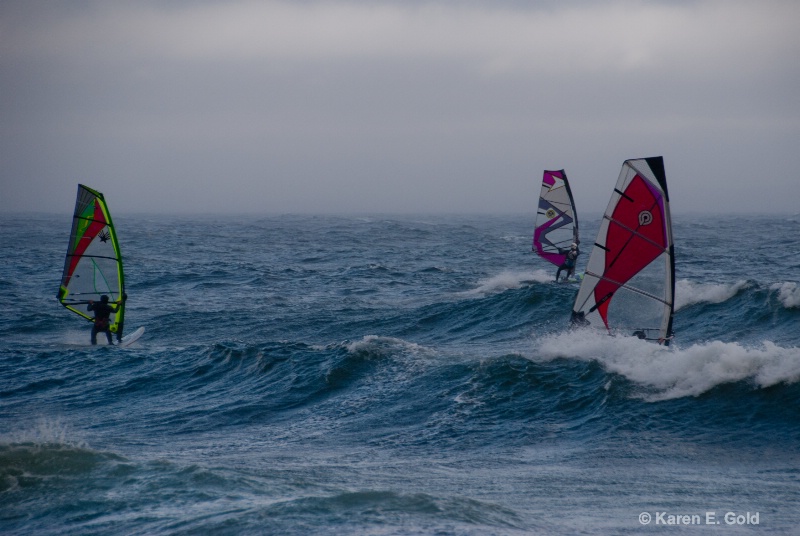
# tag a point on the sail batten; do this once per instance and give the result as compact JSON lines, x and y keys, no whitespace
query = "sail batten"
{"x":93,"y":263}
{"x":556,"y":218}
{"x":630,"y":275}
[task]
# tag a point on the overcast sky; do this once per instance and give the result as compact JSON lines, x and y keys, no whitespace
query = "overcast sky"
{"x":396,"y":105}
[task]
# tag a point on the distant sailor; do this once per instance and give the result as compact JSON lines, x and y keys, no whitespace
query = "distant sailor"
{"x":102,"y":312}
{"x":569,"y":261}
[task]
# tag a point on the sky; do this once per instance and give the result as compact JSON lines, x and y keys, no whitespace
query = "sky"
{"x":395,"y":106}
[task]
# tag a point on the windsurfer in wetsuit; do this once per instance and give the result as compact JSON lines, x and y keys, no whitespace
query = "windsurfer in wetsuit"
{"x":102,"y":312}
{"x":569,"y":261}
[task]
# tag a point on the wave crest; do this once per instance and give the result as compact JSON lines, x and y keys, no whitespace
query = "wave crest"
{"x":676,"y":372}
{"x":45,"y":431}
{"x":378,"y":344}
{"x":788,"y":294}
{"x":510,"y":280}
{"x":689,"y":293}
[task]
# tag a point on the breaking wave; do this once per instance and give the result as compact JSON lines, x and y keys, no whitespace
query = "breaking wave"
{"x":788,"y":294}
{"x":675,"y":372}
{"x":690,"y":293}
{"x":510,"y":280}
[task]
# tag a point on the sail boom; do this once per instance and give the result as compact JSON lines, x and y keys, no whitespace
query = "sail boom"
{"x":93,"y":256}
{"x":628,"y":287}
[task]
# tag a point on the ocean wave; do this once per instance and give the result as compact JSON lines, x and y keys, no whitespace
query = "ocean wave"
{"x":788,"y":294}
{"x":377,"y":344}
{"x":675,"y":372}
{"x":510,"y":280}
{"x":386,"y":357}
{"x":382,"y":507}
{"x":690,"y":293}
{"x":246,"y":383}
{"x":44,"y":431}
{"x":29,"y":465}
{"x":47,"y":449}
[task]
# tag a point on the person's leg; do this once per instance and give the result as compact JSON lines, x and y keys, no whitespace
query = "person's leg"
{"x":108,"y":336}
{"x":94,"y":335}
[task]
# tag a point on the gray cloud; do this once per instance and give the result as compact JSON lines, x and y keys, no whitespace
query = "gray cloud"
{"x":395,"y":106}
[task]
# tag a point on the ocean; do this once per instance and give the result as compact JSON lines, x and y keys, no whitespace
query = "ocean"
{"x":395,"y":375}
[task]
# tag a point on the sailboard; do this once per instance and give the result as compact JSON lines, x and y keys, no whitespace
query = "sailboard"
{"x":93,"y":264}
{"x":629,"y":282}
{"x":131,"y":338}
{"x":556,"y":219}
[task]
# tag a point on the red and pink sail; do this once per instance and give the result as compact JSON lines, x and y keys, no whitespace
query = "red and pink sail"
{"x":629,"y":283}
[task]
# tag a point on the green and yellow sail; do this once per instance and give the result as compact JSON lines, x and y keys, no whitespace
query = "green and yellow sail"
{"x":93,"y":265}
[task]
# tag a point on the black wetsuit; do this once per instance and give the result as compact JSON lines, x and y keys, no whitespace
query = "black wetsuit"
{"x":569,"y":262}
{"x":102,"y":312}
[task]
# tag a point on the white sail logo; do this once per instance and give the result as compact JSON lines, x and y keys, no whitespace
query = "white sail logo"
{"x":645,"y":218}
{"x":550,"y":213}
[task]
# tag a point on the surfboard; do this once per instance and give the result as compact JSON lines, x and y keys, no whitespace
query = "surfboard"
{"x":574,"y":278}
{"x":131,"y":338}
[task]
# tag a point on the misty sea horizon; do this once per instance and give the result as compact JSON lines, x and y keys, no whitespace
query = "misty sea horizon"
{"x":588,"y":216}
{"x":395,"y":374}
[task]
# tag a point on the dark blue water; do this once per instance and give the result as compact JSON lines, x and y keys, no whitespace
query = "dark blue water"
{"x":395,"y":375}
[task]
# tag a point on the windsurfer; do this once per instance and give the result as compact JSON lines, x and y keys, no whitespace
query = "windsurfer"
{"x":102,"y":312}
{"x":569,"y":260}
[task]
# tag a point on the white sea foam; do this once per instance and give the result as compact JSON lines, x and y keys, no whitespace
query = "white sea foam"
{"x":689,"y":293}
{"x":510,"y":280}
{"x":788,"y":294}
{"x":45,"y":431}
{"x":377,"y":343}
{"x":674,"y":372}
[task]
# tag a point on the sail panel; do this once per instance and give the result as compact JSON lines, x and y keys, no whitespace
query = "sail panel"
{"x":629,"y":281}
{"x":93,"y":264}
{"x":556,"y":219}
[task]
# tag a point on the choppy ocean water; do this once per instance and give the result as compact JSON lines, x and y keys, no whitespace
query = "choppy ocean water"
{"x":395,"y":375}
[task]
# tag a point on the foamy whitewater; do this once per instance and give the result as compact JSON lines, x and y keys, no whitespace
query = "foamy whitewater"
{"x":395,"y":375}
